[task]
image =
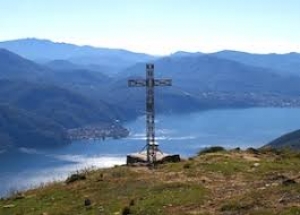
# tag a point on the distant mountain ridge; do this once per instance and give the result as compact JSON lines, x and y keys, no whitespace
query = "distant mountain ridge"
{"x":200,"y":73}
{"x":106,"y":58}
{"x":284,"y":64}
{"x":193,"y":76}
{"x":46,"y":50}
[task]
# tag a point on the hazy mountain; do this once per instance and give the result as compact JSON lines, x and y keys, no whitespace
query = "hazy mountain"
{"x":290,"y":140}
{"x":42,"y":113}
{"x":199,"y":81}
{"x":21,"y":128}
{"x":167,"y":99}
{"x":14,"y":66}
{"x":65,"y":107}
{"x":206,"y":82}
{"x":87,"y":83}
{"x":36,"y":98}
{"x":77,"y":78}
{"x":208,"y":73}
{"x":62,"y":65}
{"x":98,"y":88}
{"x":282,"y":63}
{"x":60,"y":73}
{"x":46,"y":50}
{"x":72,"y":96}
{"x":186,"y":54}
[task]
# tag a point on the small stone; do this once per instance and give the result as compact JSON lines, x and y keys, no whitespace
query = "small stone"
{"x":9,"y":206}
{"x":101,"y":208}
{"x":256,"y":164}
{"x":261,"y":188}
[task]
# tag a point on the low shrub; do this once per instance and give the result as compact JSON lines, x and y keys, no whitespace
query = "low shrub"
{"x":75,"y":177}
{"x":212,"y":149}
{"x":187,"y":166}
{"x":126,"y":211}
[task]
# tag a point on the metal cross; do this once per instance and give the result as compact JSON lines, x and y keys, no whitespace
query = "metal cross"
{"x":150,"y":83}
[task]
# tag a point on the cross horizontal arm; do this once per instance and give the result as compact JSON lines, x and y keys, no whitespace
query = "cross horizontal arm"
{"x":143,"y":82}
{"x":136,"y":83}
{"x":162,"y":82}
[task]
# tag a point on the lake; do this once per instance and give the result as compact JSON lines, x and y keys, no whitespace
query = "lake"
{"x":186,"y":134}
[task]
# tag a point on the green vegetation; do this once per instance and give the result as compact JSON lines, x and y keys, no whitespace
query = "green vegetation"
{"x":211,"y":150}
{"x":21,"y":128}
{"x":67,"y":108}
{"x":75,"y":177}
{"x":226,"y":182}
{"x":38,"y":115}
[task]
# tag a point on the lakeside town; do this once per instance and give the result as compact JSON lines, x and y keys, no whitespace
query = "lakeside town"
{"x":116,"y":131}
{"x":249,"y":99}
{"x":97,"y":132}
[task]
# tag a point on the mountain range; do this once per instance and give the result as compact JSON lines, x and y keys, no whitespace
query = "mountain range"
{"x":72,"y":86}
{"x":284,"y":64}
{"x":112,"y":60}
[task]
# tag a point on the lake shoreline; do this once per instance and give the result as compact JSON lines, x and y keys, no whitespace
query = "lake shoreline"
{"x":183,"y":134}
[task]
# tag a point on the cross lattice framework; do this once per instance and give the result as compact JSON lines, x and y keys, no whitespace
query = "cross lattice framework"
{"x":150,"y":83}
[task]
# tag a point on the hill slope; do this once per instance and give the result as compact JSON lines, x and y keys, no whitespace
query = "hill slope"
{"x":21,"y":128}
{"x":218,"y":183}
{"x":14,"y":66}
{"x":67,"y":108}
{"x":50,"y":93}
{"x":290,"y":140}
{"x":41,"y":95}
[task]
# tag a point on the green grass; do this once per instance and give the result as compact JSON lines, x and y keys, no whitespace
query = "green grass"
{"x":233,"y":182}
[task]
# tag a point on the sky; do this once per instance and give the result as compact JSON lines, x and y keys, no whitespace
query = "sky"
{"x":158,"y":26}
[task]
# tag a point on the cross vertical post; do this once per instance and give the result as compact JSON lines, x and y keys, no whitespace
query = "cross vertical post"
{"x":150,"y":113}
{"x":150,"y":83}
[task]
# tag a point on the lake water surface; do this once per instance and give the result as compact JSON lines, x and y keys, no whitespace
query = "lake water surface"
{"x":186,"y":134}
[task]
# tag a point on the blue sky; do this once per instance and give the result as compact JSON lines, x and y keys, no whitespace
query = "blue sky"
{"x":158,"y":26}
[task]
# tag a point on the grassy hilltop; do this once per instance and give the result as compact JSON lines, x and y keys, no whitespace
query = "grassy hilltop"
{"x":214,"y":182}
